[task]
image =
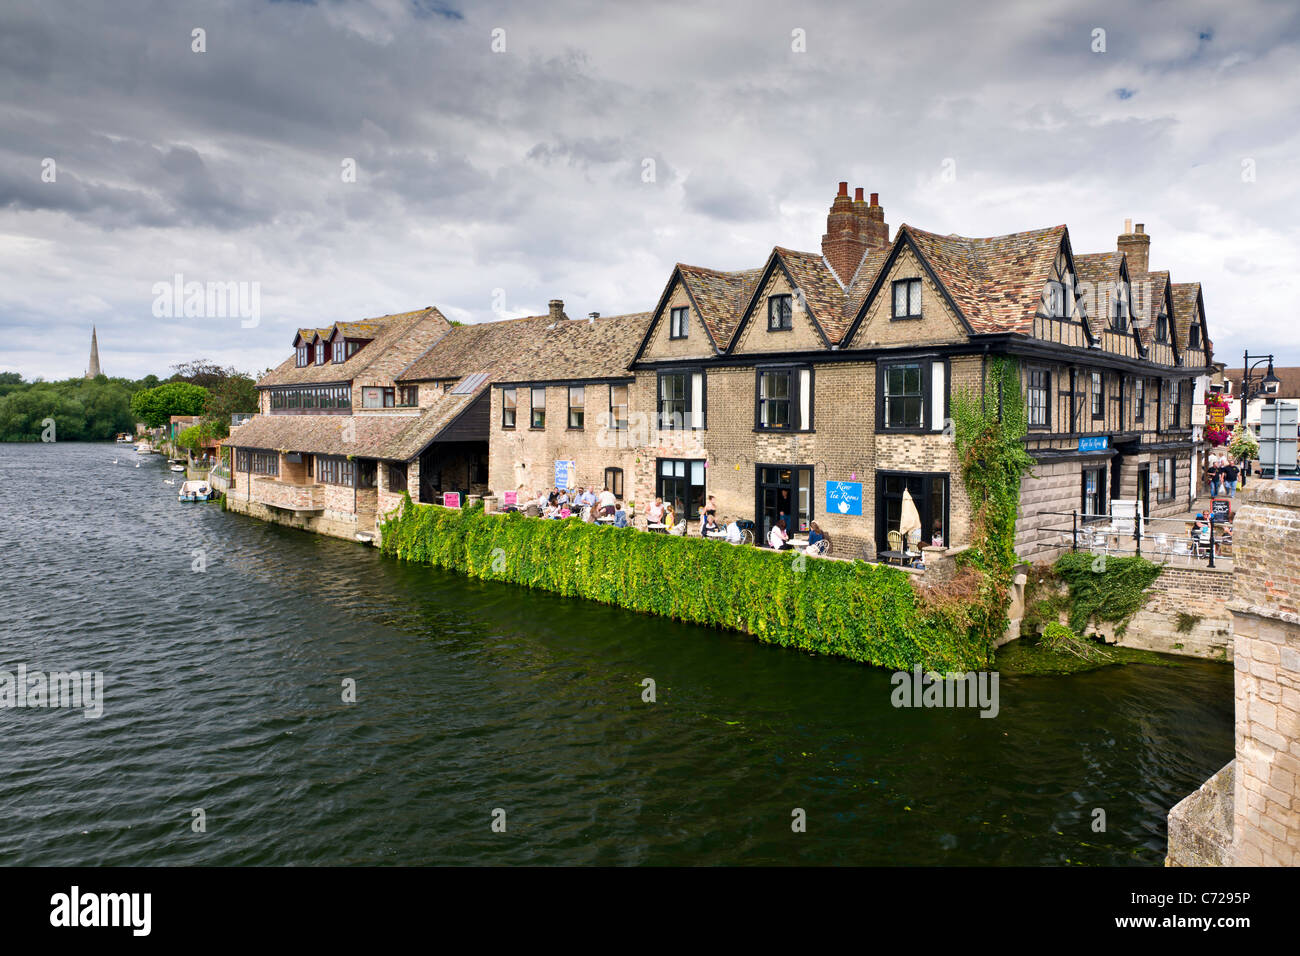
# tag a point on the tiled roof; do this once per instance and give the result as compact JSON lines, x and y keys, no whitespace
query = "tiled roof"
{"x":860,"y":285}
{"x":370,"y":436}
{"x":996,"y":282}
{"x":389,"y":329}
{"x":814,"y":278}
{"x":721,"y":297}
{"x":445,"y":409}
{"x":1148,"y":298}
{"x":1098,"y":271}
{"x":578,"y":349}
{"x":1184,"y":294}
{"x":477,"y":347}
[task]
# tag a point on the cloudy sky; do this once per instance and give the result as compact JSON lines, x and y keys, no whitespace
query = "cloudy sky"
{"x":510,"y":153}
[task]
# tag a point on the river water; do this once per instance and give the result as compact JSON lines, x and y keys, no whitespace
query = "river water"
{"x":223,"y":693}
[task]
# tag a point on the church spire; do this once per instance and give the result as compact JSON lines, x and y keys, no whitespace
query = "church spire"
{"x":93,"y":370}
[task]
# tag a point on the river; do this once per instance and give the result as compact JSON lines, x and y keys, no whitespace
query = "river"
{"x":223,"y":693}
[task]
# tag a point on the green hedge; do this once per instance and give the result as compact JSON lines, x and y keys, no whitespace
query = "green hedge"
{"x":865,"y":612}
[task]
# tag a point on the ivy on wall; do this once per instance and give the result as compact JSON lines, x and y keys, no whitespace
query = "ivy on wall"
{"x":1088,"y":590}
{"x":865,"y":612}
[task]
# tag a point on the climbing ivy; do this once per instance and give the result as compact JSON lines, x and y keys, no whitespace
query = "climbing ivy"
{"x":1105,"y":589}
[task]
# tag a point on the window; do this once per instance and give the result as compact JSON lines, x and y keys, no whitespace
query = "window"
{"x":577,"y":403}
{"x":618,"y":407}
{"x":1098,"y":396}
{"x":784,"y":491}
{"x":377,"y":397}
{"x":257,"y":462}
{"x":1094,"y":492}
{"x":680,"y":483}
{"x":1162,"y":327}
{"x":1039,"y":383}
{"x":677,"y":323}
{"x":673,"y":402}
{"x":395,"y":477}
{"x":335,"y":470}
{"x":1139,"y":399}
{"x":929,"y":494}
{"x":904,"y":398}
{"x":339,"y":357}
{"x":774,"y":398}
{"x":1168,"y":484}
{"x":614,"y":482}
{"x":320,"y":353}
{"x":780,"y":313}
{"x":1175,"y":393}
{"x":325,"y":398}
{"x":538,"y":406}
{"x":1059,"y":294}
{"x":907,"y":299}
{"x":302,"y":356}
{"x":408,"y":396}
{"x":366,"y":472}
{"x":507,"y":408}
{"x":1120,"y":310}
{"x":1194,"y":336}
{"x":354,"y":348}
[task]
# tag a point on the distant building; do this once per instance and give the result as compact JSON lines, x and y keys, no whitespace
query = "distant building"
{"x":93,"y":369}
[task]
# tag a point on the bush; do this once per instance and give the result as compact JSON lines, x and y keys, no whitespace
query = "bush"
{"x":864,"y":612}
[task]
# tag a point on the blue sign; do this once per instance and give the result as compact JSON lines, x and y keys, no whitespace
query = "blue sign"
{"x":844,"y":497}
{"x":1094,"y":443}
{"x":564,"y":474}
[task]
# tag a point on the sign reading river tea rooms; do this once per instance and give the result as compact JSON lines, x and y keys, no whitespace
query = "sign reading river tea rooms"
{"x":844,"y":497}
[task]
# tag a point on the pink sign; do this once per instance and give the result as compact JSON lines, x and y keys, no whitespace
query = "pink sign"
{"x":451,"y":499}
{"x":510,"y":498}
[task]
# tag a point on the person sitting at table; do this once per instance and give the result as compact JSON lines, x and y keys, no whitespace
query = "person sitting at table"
{"x":778,"y":538}
{"x":670,"y":517}
{"x":607,"y":502}
{"x":656,"y":513}
{"x":733,"y":530}
{"x":815,"y":534}
{"x":552,"y":511}
{"x":621,"y":516}
{"x":708,"y":524}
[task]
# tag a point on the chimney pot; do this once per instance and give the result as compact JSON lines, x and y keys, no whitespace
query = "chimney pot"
{"x":844,"y":189}
{"x":1141,"y":228}
{"x":875,"y":199}
{"x":857,"y":194}
{"x":557,"y":309}
{"x":1128,"y":226}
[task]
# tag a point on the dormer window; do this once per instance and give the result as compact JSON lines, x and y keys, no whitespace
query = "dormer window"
{"x":1194,"y":336}
{"x":354,"y":348}
{"x":320,"y":353}
{"x":677,"y":324}
{"x":302,"y":356}
{"x":1162,"y":327}
{"x":339,"y":357}
{"x":780,"y":313}
{"x":1058,"y":296}
{"x":1120,"y":312}
{"x":907,"y":299}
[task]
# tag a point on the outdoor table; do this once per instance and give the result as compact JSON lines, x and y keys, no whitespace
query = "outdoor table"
{"x":607,"y":519}
{"x":656,"y":526}
{"x":902,"y":557}
{"x":716,"y":534}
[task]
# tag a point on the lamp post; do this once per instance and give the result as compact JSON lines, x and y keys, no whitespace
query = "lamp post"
{"x":1268,"y":385}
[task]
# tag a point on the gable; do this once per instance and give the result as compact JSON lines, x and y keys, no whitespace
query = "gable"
{"x":756,"y":337}
{"x":659,"y":343}
{"x":938,"y":323}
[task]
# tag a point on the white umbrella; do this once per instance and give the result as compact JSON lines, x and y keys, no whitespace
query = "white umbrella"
{"x":910,"y":519}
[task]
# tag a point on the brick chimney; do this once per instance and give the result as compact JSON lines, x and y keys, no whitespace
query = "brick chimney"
{"x":843,"y":244}
{"x":557,"y":309}
{"x":877,"y":230}
{"x":1137,"y":246}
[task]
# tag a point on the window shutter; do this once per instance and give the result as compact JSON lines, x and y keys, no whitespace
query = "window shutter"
{"x":697,"y":399}
{"x":805,"y":399}
{"x":936,"y":396}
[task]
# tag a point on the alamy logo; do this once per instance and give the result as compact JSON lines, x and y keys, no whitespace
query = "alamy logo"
{"x":208,"y":300}
{"x":928,"y":689}
{"x":75,"y":909}
{"x":82,"y":690}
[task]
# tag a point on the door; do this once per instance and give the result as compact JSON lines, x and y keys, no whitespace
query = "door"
{"x":783,"y":491}
{"x":430,"y":479}
{"x":1116,"y":464}
{"x":1144,"y":488}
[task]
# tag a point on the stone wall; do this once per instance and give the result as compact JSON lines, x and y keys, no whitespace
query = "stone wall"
{"x":1263,"y":803}
{"x":1200,"y":592}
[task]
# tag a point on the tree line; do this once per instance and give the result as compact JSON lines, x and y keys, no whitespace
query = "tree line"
{"x":99,"y":408}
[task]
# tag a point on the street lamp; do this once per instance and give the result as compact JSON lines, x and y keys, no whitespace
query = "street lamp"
{"x":1268,"y":385}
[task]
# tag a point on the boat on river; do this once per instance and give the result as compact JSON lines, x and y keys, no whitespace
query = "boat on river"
{"x":195,"y":491}
{"x":178,"y":467}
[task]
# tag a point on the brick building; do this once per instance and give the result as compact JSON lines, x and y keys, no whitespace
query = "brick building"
{"x":816,"y":386}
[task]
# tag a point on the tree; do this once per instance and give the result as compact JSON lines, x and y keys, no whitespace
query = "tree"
{"x":156,"y":406}
{"x":201,"y":372}
{"x":236,"y":393}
